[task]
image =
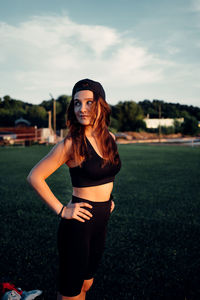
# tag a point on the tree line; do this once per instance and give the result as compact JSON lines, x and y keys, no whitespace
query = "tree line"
{"x":125,"y":115}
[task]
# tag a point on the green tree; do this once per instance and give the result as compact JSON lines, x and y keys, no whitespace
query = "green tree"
{"x":167,"y":129}
{"x":190,"y":126}
{"x":128,"y":113}
{"x":140,"y":125}
{"x":114,"y":124}
{"x":185,"y":114}
{"x":6,"y":117}
{"x":37,"y":115}
{"x":63,"y":102}
{"x":6,"y":102}
{"x":177,"y":126}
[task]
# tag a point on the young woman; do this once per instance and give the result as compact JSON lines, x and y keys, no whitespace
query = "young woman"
{"x":90,"y":152}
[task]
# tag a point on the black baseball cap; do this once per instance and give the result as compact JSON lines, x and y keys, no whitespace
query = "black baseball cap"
{"x":91,"y":85}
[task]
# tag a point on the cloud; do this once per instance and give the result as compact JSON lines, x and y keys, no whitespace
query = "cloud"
{"x":50,"y":53}
{"x":196,"y":5}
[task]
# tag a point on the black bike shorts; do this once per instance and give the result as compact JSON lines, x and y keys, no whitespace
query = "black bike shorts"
{"x":80,"y":247}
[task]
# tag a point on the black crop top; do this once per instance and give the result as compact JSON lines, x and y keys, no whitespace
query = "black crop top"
{"x":91,"y":173}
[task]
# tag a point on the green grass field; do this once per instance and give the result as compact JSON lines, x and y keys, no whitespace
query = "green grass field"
{"x":153,"y":241}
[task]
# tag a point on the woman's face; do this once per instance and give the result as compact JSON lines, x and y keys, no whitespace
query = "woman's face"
{"x":83,"y":103}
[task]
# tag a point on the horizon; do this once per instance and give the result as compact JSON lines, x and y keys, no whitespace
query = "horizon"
{"x":51,"y":99}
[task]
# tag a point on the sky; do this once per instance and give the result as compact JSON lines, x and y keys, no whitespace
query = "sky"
{"x":137,"y":49}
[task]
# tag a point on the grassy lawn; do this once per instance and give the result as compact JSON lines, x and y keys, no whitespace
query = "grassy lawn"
{"x":153,"y":241}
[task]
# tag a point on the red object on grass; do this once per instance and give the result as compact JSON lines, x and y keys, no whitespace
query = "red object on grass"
{"x":7,"y":286}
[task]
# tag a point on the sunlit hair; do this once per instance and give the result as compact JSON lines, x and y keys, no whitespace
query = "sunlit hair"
{"x":100,"y":116}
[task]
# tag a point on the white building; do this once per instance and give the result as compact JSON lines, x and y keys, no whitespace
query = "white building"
{"x":155,"y":123}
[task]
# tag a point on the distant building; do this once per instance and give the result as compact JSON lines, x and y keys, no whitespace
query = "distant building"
{"x":21,"y":122}
{"x":155,"y":123}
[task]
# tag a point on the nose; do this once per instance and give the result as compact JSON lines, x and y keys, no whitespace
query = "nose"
{"x":82,"y":107}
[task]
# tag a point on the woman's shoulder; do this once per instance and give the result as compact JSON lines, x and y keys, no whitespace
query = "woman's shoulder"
{"x":62,"y":150}
{"x":67,"y":145}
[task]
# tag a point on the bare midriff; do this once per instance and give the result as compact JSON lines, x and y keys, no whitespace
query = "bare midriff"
{"x":98,"y":193}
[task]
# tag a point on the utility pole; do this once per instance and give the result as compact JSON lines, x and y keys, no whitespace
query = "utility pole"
{"x":54,"y":113}
{"x":49,"y":113}
{"x":159,"y":128}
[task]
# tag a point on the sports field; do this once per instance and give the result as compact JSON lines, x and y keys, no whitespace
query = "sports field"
{"x":153,"y":241}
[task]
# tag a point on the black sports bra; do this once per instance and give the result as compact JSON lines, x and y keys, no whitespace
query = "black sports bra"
{"x":91,"y":173}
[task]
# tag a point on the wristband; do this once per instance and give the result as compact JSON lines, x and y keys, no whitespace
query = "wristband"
{"x":60,"y":213}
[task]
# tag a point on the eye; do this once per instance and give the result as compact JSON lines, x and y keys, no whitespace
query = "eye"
{"x":76,"y":103}
{"x":89,"y":102}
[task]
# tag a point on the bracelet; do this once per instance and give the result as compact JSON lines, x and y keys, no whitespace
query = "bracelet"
{"x":60,"y":213}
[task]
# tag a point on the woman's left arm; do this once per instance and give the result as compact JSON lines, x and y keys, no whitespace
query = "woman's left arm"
{"x":112,"y":202}
{"x":112,"y":206}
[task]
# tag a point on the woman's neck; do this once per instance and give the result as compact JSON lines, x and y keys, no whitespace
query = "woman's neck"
{"x":89,"y":131}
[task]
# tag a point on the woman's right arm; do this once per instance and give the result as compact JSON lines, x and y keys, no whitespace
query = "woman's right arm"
{"x":59,"y":155}
{"x":44,"y":168}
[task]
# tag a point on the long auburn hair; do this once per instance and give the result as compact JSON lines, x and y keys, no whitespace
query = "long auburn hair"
{"x":100,"y":114}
